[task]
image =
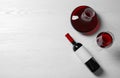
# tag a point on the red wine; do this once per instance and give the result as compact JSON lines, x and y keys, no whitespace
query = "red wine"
{"x":84,"y":54}
{"x":104,"y":39}
{"x":85,"y":20}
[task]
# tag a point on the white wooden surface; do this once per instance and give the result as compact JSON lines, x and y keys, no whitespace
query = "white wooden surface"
{"x":32,"y":42}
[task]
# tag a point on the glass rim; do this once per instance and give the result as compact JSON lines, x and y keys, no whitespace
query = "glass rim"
{"x":91,"y":12}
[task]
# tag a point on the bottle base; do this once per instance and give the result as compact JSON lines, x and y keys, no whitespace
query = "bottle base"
{"x":92,"y":65}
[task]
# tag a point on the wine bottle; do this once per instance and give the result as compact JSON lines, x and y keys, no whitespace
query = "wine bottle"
{"x":83,"y":54}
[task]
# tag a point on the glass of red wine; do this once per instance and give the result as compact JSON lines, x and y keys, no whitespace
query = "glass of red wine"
{"x":104,"y":39}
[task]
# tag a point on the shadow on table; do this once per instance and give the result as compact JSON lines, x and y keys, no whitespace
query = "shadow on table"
{"x":99,"y":72}
{"x":116,"y":54}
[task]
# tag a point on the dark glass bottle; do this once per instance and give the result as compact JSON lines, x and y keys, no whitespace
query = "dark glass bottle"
{"x":84,"y":55}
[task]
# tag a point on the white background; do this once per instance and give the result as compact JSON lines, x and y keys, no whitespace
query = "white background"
{"x":33,"y":45}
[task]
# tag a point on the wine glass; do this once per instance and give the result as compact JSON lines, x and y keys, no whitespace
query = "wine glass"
{"x":105,"y":39}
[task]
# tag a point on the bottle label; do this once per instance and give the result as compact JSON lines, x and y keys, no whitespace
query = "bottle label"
{"x":83,"y":54}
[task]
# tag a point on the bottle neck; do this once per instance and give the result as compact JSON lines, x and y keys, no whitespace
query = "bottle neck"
{"x":76,"y":45}
{"x":88,"y":14}
{"x":73,"y":43}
